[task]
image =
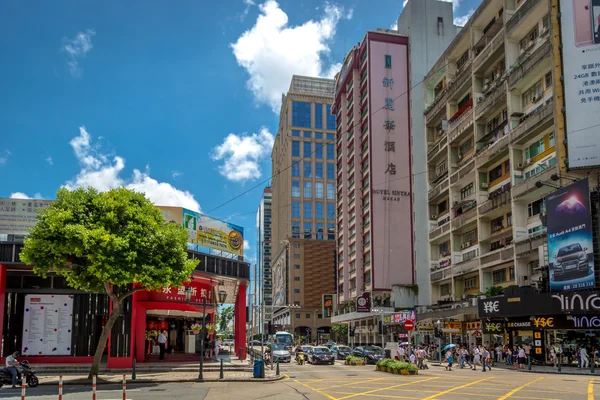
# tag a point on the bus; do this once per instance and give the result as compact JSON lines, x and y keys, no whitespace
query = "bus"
{"x":284,"y":338}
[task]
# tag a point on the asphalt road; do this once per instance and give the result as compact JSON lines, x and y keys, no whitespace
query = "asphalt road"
{"x":342,"y":382}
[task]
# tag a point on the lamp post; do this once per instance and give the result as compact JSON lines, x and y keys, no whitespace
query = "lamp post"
{"x":439,"y":326}
{"x":381,"y":312}
{"x":292,"y":324}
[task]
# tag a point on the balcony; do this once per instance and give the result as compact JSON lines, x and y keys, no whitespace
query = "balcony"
{"x":493,"y":39}
{"x":528,"y":61}
{"x":531,"y":122}
{"x":528,"y":186}
{"x":464,"y":218}
{"x":521,"y":13}
{"x":442,"y":274}
{"x":531,"y":243}
{"x":485,"y":104}
{"x":439,"y":231}
{"x":437,"y":189}
{"x":439,"y":103}
{"x":461,"y":123}
{"x":496,"y":257}
{"x":437,"y":148}
{"x":496,"y":202}
{"x":461,"y":78}
{"x":464,"y":267}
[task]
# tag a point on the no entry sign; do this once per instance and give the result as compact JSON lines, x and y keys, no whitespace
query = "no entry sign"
{"x":409,"y":325}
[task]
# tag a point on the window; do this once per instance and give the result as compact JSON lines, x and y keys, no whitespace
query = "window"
{"x":295,"y":148}
{"x":330,"y":122}
{"x":318,"y":190}
{"x":307,"y":150}
{"x":330,"y":211}
{"x":301,"y":114}
{"x":319,"y":210}
{"x":529,"y":39}
{"x":297,"y":279}
{"x":499,"y":276}
{"x":330,"y":136}
{"x":330,"y":232}
{"x":535,"y":208}
{"x":296,"y":229}
{"x":497,"y":224}
{"x":307,"y":315}
{"x":295,"y":189}
{"x":330,"y":191}
{"x":296,"y":291}
{"x":444,"y":249}
{"x":296,"y":266}
{"x":307,"y":230}
{"x":540,"y":167}
{"x":551,"y":141}
{"x":465,"y":147}
{"x":320,"y":316}
{"x":548,"y":79}
{"x":296,"y":133}
{"x":307,"y":210}
{"x":297,"y":315}
{"x":534,"y":92}
{"x":546,"y":21}
{"x":388,"y":61}
{"x":307,"y":135}
{"x":319,"y":170}
{"x":330,"y":171}
{"x":307,"y":190}
{"x":536,"y":148}
{"x":470,"y":237}
{"x":442,"y":207}
{"x":319,"y":150}
{"x":330,"y":151}
{"x":466,"y":191}
{"x":295,"y":209}
{"x":319,"y":116}
{"x":445,"y":289}
{"x":511,"y":272}
{"x":320,"y":231}
{"x":441,"y":168}
{"x":509,"y":219}
{"x":465,"y":99}
{"x":495,"y":173}
{"x":296,"y":245}
{"x":471,"y":283}
{"x":296,"y":255}
{"x":461,"y":62}
{"x":295,"y":169}
{"x":307,"y":169}
{"x":319,"y":135}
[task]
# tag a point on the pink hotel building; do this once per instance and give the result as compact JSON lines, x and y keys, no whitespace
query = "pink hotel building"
{"x":374,"y":207}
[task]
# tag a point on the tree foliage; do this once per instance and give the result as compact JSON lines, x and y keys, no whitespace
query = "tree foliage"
{"x":224,"y":318}
{"x":115,"y":242}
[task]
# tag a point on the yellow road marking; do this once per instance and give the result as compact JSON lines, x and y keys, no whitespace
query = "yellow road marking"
{"x":591,"y":389}
{"x":287,"y":377}
{"x":386,"y":388}
{"x":318,"y":391}
{"x":507,"y":395}
{"x":456,"y":388}
{"x":373,"y":380}
{"x":381,"y":395}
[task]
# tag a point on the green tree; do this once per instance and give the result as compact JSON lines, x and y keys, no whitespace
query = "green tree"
{"x":115,"y":242}
{"x":341,"y":332}
{"x":224,"y":318}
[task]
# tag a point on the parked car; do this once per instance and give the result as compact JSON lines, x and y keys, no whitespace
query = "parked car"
{"x":320,"y":355}
{"x":570,"y":259}
{"x":281,"y":353}
{"x":341,"y":351}
{"x":371,"y":354}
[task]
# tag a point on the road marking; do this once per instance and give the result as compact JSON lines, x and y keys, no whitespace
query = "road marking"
{"x":372,"y":380}
{"x":456,"y":388}
{"x":507,"y":395}
{"x":287,"y":377}
{"x":494,"y":395}
{"x":591,"y":389}
{"x":316,"y":390}
{"x":386,"y":388}
{"x":381,"y":395}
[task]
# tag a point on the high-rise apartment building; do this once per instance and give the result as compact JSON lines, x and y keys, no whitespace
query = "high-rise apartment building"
{"x":491,"y":137}
{"x":380,"y":191}
{"x":263,"y":251}
{"x":303,"y":207}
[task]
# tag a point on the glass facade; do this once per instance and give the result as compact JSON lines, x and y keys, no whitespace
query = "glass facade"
{"x":296,"y":133}
{"x":320,"y":231}
{"x":319,"y":170}
{"x":295,"y":189}
{"x":307,"y":230}
{"x":295,"y":169}
{"x":307,"y":190}
{"x":330,"y":151}
{"x":318,"y":116}
{"x":319,"y":150}
{"x":318,"y":135}
{"x":296,"y":229}
{"x":330,"y":191}
{"x":330,"y":232}
{"x":330,"y":137}
{"x":307,"y":169}
{"x":330,"y":119}
{"x":319,"y":210}
{"x":295,"y":209}
{"x":307,"y":210}
{"x":330,"y":171}
{"x":330,"y":211}
{"x":307,"y":150}
{"x":307,"y":135}
{"x":301,"y":115}
{"x":318,"y":190}
{"x":295,"y":148}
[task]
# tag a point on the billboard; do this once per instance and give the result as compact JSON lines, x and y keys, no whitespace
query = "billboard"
{"x":47,"y":325}
{"x":213,"y":233}
{"x":18,"y":215}
{"x":363,"y":303}
{"x":581,"y":64}
{"x":570,"y":244}
{"x":279,"y":282}
{"x":327,"y":305}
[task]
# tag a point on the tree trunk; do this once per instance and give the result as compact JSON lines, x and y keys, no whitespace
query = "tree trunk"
{"x":114,"y":315}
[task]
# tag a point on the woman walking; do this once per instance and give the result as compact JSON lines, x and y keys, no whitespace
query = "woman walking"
{"x":450,"y":359}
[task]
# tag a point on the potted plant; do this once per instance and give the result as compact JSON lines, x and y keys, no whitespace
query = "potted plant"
{"x":211,"y":328}
{"x":196,"y":328}
{"x":352,"y":360}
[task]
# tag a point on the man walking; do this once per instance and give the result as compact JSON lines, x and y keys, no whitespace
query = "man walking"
{"x":217,"y":348}
{"x":162,"y":340}
{"x":585,"y":362}
{"x":11,"y":366}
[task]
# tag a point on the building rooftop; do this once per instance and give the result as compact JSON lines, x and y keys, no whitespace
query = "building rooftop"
{"x":311,"y":85}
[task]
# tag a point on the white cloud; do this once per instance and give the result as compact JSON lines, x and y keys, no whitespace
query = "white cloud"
{"x":241,"y":154}
{"x":248,"y":3}
{"x":394,"y":26}
{"x":102,"y":172}
{"x":76,"y":49}
{"x":176,"y":174}
{"x":462,"y":21}
{"x":49,"y":160}
{"x":246,"y":245}
{"x":21,"y":195}
{"x":404,"y":3}
{"x":4,"y":157}
{"x":272,"y":51}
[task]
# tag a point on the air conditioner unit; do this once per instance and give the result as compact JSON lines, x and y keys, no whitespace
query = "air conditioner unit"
{"x":484,"y":185}
{"x":467,"y":244}
{"x":434,"y":216}
{"x":520,"y":166}
{"x":459,"y":157}
{"x":531,"y":43}
{"x":455,"y":202}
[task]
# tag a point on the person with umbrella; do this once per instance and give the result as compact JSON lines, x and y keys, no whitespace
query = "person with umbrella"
{"x":449,"y":356}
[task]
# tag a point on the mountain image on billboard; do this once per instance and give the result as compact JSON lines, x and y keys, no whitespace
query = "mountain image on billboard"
{"x":570,"y":243}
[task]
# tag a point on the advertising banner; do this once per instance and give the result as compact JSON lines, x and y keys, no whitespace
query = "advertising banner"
{"x":581,"y":63}
{"x":279,"y":282}
{"x":47,"y":325}
{"x":18,"y":215}
{"x":363,"y":303}
{"x":327,"y":305}
{"x":213,"y":233}
{"x":400,"y":317}
{"x":526,"y":305}
{"x":570,"y":244}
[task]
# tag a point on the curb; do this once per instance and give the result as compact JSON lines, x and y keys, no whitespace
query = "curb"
{"x":144,"y":381}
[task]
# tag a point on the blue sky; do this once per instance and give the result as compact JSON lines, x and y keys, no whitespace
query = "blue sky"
{"x":175,"y":101}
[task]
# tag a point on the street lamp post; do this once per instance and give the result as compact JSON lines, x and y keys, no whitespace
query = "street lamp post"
{"x":381,"y":311}
{"x":439,"y":326}
{"x":292,"y":324}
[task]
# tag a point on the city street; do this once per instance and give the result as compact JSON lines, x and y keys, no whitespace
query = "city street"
{"x":344,"y":382}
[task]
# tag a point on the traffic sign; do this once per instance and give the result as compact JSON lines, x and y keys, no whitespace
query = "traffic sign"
{"x":409,"y":325}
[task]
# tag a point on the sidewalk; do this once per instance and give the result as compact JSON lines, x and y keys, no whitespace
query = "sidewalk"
{"x":540,"y":369}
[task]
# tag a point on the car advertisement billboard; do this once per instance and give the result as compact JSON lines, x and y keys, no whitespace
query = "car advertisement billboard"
{"x":213,"y":233}
{"x":580,"y":31}
{"x":570,"y":244}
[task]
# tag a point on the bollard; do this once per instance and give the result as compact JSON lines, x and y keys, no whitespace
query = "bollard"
{"x":60,"y":387}
{"x":277,"y":370}
{"x":23,"y":388}
{"x":593,"y":364}
{"x":124,"y":387}
{"x":559,"y":366}
{"x":221,"y":370}
{"x":94,"y":387}
{"x":133,"y":374}
{"x":529,"y":363}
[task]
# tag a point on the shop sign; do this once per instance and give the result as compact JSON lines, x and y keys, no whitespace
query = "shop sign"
{"x":363,"y":303}
{"x":200,"y":291}
{"x":493,"y":327}
{"x":473,"y":326}
{"x":425,"y":329}
{"x":520,"y":324}
{"x":452,"y":327}
{"x":543,"y":322}
{"x":400,"y":317}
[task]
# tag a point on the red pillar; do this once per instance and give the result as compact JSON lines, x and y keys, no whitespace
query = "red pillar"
{"x":240,"y":323}
{"x":138,"y":326}
{"x":3,"y":271}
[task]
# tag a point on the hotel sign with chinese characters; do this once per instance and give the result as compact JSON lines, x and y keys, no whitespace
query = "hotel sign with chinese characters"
{"x":177,"y":293}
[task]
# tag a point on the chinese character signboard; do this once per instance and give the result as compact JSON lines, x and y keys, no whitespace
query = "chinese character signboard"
{"x":400,"y":317}
{"x":570,"y":244}
{"x":18,"y":215}
{"x":213,"y":233}
{"x":327,"y":305}
{"x":452,"y":327}
{"x":581,"y":64}
{"x":200,"y":291}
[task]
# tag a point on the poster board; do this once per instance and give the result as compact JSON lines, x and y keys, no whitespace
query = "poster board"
{"x":47,"y":325}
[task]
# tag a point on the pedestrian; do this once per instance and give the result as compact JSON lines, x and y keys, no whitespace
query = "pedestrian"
{"x":509,"y":360}
{"x":464,"y":358}
{"x":420,"y":357}
{"x":400,"y":353}
{"x":527,"y":349}
{"x":585,"y":362}
{"x":217,"y":348}
{"x":476,"y":358}
{"x":11,"y":366}
{"x":450,"y":360}
{"x":553,"y":356}
{"x":485,"y":356}
{"x":498,"y":353}
{"x":162,"y":342}
{"x":521,"y":358}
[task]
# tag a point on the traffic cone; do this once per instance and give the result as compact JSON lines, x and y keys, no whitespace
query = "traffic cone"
{"x":515,"y":366}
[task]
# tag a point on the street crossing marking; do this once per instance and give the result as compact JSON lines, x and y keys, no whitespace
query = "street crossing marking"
{"x":591,"y":389}
{"x":515,"y":390}
{"x":457,"y":388}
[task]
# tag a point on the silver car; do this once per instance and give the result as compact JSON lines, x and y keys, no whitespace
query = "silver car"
{"x":280,"y":353}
